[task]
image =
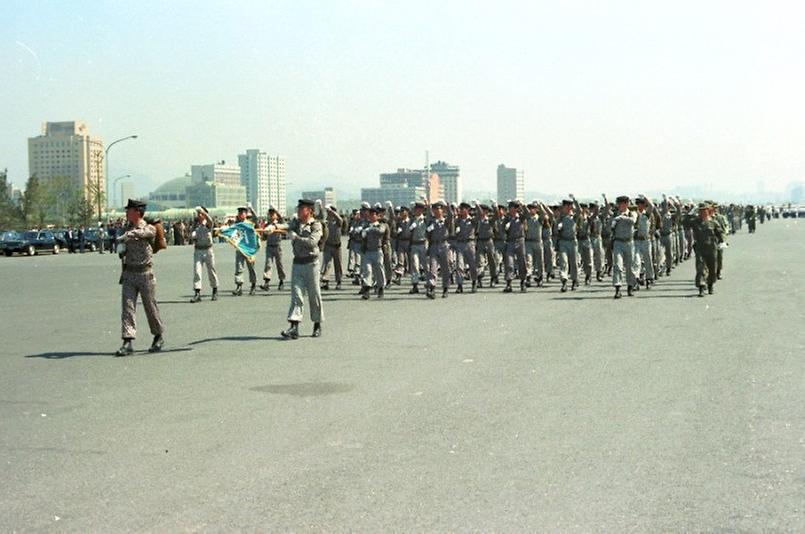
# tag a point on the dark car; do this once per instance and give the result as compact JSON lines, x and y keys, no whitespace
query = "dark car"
{"x":31,"y":243}
{"x":91,"y":240}
{"x":7,"y":236}
{"x":61,"y":238}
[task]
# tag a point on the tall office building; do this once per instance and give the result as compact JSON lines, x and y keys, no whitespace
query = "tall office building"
{"x":511,"y":184}
{"x":127,"y":191}
{"x":450,"y":180}
{"x":67,"y":150}
{"x":263,"y":176}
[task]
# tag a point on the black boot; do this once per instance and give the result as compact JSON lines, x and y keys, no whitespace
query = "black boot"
{"x":264,"y":287}
{"x":574,"y":284}
{"x":668,"y":271}
{"x":444,"y":292}
{"x":430,"y":292}
{"x":528,"y":282}
{"x":292,"y":332}
{"x":460,"y":288}
{"x":508,"y":288}
{"x":522,"y":286}
{"x":629,"y":291}
{"x":325,"y":285}
{"x":618,"y":292}
{"x":474,"y":286}
{"x":701,"y":291}
{"x":599,"y":276}
{"x":252,"y":290}
{"x":587,"y":280}
{"x":648,"y":283}
{"x":380,"y":293}
{"x":281,"y":285}
{"x":156,"y":345}
{"x":709,"y":289}
{"x":397,"y":279}
{"x":316,"y":329}
{"x":214,"y":293}
{"x":125,"y":349}
{"x":338,"y":286}
{"x":414,"y":290}
{"x":365,"y":292}
{"x":238,"y":289}
{"x":564,"y":286}
{"x":196,"y":296}
{"x":480,"y":282}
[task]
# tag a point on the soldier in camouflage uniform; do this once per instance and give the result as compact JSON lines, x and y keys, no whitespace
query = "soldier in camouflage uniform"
{"x":244,"y":212}
{"x":485,"y":245}
{"x":623,"y":247}
{"x":418,"y":258}
{"x":373,"y":271}
{"x":567,"y":245}
{"x":514,"y":226}
{"x":465,"y":230}
{"x":203,"y":254}
{"x":332,"y":248}
{"x":137,"y":278}
{"x":438,"y":230}
{"x":707,"y":237}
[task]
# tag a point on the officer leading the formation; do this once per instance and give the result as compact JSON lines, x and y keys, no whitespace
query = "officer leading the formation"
{"x":137,"y":278}
{"x":305,"y":232}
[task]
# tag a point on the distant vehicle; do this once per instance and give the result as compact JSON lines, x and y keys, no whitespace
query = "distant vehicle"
{"x":7,"y":236}
{"x":61,"y":238}
{"x":31,"y":243}
{"x":91,"y":240}
{"x":794,"y":212}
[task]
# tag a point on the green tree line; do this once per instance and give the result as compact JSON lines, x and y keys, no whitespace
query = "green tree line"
{"x":53,"y":201}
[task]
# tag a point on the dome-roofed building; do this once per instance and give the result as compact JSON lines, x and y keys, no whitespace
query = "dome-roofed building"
{"x":171,"y":194}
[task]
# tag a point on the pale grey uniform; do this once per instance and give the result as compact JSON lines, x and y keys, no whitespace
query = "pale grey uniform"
{"x":465,"y":232}
{"x":418,"y":258}
{"x":623,"y":249}
{"x":568,"y":248}
{"x":372,"y":266}
{"x":203,"y":255}
{"x":438,"y":231}
{"x":332,"y":247}
{"x":596,"y":226}
{"x":533,"y":246}
{"x":137,"y":278}
{"x":305,"y":269}
{"x":273,"y":254}
{"x":643,"y":243}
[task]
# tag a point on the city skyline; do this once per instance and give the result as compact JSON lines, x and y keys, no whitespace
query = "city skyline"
{"x":612,"y":97}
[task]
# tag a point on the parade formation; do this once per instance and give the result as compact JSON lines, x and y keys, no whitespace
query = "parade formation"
{"x":439,"y":246}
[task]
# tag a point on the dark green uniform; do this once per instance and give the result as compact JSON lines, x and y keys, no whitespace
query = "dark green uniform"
{"x":707,"y":236}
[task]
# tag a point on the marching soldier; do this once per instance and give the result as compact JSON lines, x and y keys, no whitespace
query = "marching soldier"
{"x":385,"y":214}
{"x":719,"y":217}
{"x":533,"y":244}
{"x":273,"y":252}
{"x":583,"y":237}
{"x":623,"y":247}
{"x":403,"y":244}
{"x":372,"y":266}
{"x":486,"y":245}
{"x":202,"y":254}
{"x":437,"y":231}
{"x":515,"y":245}
{"x":244,"y":212}
{"x":465,"y":231}
{"x":304,"y":231}
{"x":645,"y":208}
{"x":332,"y":248}
{"x":567,"y":245}
{"x":137,"y":278}
{"x":707,"y":237}
{"x":355,"y":242}
{"x":596,"y":240}
{"x":418,"y":259}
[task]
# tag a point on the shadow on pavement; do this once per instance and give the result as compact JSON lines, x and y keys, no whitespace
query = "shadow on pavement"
{"x":111,"y":354}
{"x":236,"y":338}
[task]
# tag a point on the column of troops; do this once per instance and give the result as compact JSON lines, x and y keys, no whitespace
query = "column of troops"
{"x":468,"y":245}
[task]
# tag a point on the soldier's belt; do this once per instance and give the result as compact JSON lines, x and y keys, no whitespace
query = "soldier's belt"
{"x":629,"y":240}
{"x":417,"y":242}
{"x":203,"y":247}
{"x":641,"y":238}
{"x":569,"y":240}
{"x":136,"y":268}
{"x":466,"y":240}
{"x":306,"y":260}
{"x":533,"y":240}
{"x":275,"y":245}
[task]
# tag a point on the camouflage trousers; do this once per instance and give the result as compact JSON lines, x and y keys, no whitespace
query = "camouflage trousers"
{"x":144,"y":286}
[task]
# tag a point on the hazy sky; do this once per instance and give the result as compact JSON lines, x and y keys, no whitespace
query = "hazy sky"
{"x":584,"y":96}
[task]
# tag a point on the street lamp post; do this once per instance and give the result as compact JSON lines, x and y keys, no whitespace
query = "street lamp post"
{"x":113,"y":143}
{"x":114,"y":187}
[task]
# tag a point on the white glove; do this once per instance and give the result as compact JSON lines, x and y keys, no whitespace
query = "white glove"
{"x":722,"y":246}
{"x":429,"y":228}
{"x":292,"y":235}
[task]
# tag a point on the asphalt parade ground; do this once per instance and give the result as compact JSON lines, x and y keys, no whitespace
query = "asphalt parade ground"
{"x":542,"y":411}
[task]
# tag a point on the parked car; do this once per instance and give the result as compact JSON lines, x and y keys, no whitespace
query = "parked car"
{"x":7,"y":236}
{"x":91,"y":241}
{"x":31,"y":243}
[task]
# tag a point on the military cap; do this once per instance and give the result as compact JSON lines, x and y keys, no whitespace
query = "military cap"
{"x":439,"y":204}
{"x":464,"y":205}
{"x":305,"y":202}
{"x":365,"y":206}
{"x":567,"y":202}
{"x":514,"y":204}
{"x":380,"y":207}
{"x":202,"y":209}
{"x":242,"y":208}
{"x":622,"y":198}
{"x":640,"y":200}
{"x":135,"y":204}
{"x":419,"y":204}
{"x":583,"y":205}
{"x":532,"y":205}
{"x":403,"y":208}
{"x":703,"y":206}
